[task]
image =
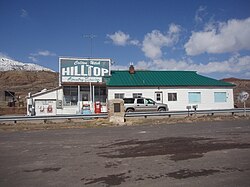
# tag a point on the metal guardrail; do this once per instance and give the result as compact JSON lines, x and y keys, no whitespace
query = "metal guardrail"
{"x":186,"y":112}
{"x":54,"y":117}
{"x":127,"y":114}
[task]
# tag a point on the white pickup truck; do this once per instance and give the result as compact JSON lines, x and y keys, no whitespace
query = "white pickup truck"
{"x":143,"y":105}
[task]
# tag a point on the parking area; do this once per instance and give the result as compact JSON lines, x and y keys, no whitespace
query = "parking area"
{"x":185,"y":154}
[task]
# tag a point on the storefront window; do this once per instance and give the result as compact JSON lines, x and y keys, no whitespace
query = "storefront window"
{"x":119,"y":95}
{"x":100,"y":94}
{"x":70,"y":95}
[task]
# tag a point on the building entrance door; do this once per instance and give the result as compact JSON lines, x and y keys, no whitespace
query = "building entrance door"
{"x":85,"y":96}
{"x":159,"y":97}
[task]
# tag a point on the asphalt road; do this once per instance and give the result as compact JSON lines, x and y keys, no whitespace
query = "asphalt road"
{"x":200,"y":154}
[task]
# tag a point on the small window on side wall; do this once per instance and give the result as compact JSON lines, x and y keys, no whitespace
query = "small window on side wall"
{"x":172,"y":96}
{"x":119,"y":95}
{"x":194,"y":97}
{"x":137,"y":95}
{"x":220,"y":97}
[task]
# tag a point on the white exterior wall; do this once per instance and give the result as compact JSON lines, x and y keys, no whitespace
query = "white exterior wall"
{"x":207,"y":97}
{"x":53,"y":96}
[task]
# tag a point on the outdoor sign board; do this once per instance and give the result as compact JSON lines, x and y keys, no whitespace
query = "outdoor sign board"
{"x":83,"y":70}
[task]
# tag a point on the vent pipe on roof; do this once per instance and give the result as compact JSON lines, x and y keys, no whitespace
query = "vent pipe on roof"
{"x":131,"y":69}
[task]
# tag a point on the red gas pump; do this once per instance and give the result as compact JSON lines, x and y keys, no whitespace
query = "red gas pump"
{"x":98,"y":107}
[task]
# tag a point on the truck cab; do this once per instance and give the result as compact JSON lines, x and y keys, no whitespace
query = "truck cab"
{"x":143,"y":105}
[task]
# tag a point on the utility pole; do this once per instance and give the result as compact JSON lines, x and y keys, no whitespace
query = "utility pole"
{"x":91,"y":37}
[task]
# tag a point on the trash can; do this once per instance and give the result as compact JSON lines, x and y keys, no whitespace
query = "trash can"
{"x":98,"y":107}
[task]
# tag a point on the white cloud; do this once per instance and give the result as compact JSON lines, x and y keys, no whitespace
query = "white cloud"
{"x":45,"y":53}
{"x":121,"y":39}
{"x":119,"y":67}
{"x":235,"y":64}
{"x":154,"y":42}
{"x":199,"y":14}
{"x":226,"y":37}
{"x":33,"y":59}
{"x":24,"y":13}
{"x":5,"y":55}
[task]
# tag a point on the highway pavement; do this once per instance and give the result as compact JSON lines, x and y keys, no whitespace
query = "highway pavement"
{"x":194,"y":154}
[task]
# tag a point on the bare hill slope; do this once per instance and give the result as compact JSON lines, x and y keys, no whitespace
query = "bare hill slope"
{"x":23,"y":82}
{"x":241,"y":85}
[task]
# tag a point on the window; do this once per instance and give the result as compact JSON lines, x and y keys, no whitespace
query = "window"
{"x":129,"y":100}
{"x":137,"y":95}
{"x":70,"y":95}
{"x":220,"y":97}
{"x":194,"y":97}
{"x":140,"y":101}
{"x":149,"y":101}
{"x":119,"y":95}
{"x":158,"y":96}
{"x":172,"y":96}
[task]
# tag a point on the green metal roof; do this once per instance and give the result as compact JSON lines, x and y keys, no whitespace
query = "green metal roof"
{"x":161,"y":78}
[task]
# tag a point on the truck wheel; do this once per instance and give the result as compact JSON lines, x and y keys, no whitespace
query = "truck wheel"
{"x":130,"y":110}
{"x":162,"y":109}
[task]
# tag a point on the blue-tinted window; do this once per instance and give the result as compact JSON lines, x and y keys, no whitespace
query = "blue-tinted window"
{"x":220,"y":97}
{"x":194,"y":97}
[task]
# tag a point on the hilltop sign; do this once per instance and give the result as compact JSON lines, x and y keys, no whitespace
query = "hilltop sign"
{"x":83,"y":70}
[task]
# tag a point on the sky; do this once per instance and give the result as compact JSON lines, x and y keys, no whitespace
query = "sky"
{"x":211,"y":37}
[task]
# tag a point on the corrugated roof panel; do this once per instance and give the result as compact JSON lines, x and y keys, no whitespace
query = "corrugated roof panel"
{"x":161,"y":78}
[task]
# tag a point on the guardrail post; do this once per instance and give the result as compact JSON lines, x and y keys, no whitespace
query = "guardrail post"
{"x":188,"y":108}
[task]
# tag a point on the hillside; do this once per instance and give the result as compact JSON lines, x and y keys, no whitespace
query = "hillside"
{"x":23,"y":82}
{"x":241,"y":85}
{"x":7,"y":64}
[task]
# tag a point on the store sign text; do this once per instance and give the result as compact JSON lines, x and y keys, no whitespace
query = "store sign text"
{"x":84,"y":70}
{"x":81,"y":79}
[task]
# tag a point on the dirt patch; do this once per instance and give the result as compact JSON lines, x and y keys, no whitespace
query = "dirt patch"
{"x":63,"y":124}
{"x":110,"y":180}
{"x":83,"y":123}
{"x":176,"y":148}
{"x":182,"y":119}
{"x":43,"y":170}
{"x":112,"y":164}
{"x":186,"y":173}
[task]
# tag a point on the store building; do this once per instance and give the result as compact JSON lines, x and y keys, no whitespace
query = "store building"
{"x":81,"y":87}
{"x":178,"y":89}
{"x":85,"y":86}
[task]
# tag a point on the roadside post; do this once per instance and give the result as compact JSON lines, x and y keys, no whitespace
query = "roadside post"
{"x":195,"y":108}
{"x":188,"y":108}
{"x":243,"y":97}
{"x":116,"y":111}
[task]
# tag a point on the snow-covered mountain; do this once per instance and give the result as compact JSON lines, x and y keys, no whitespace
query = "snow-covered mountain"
{"x":8,"y":64}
